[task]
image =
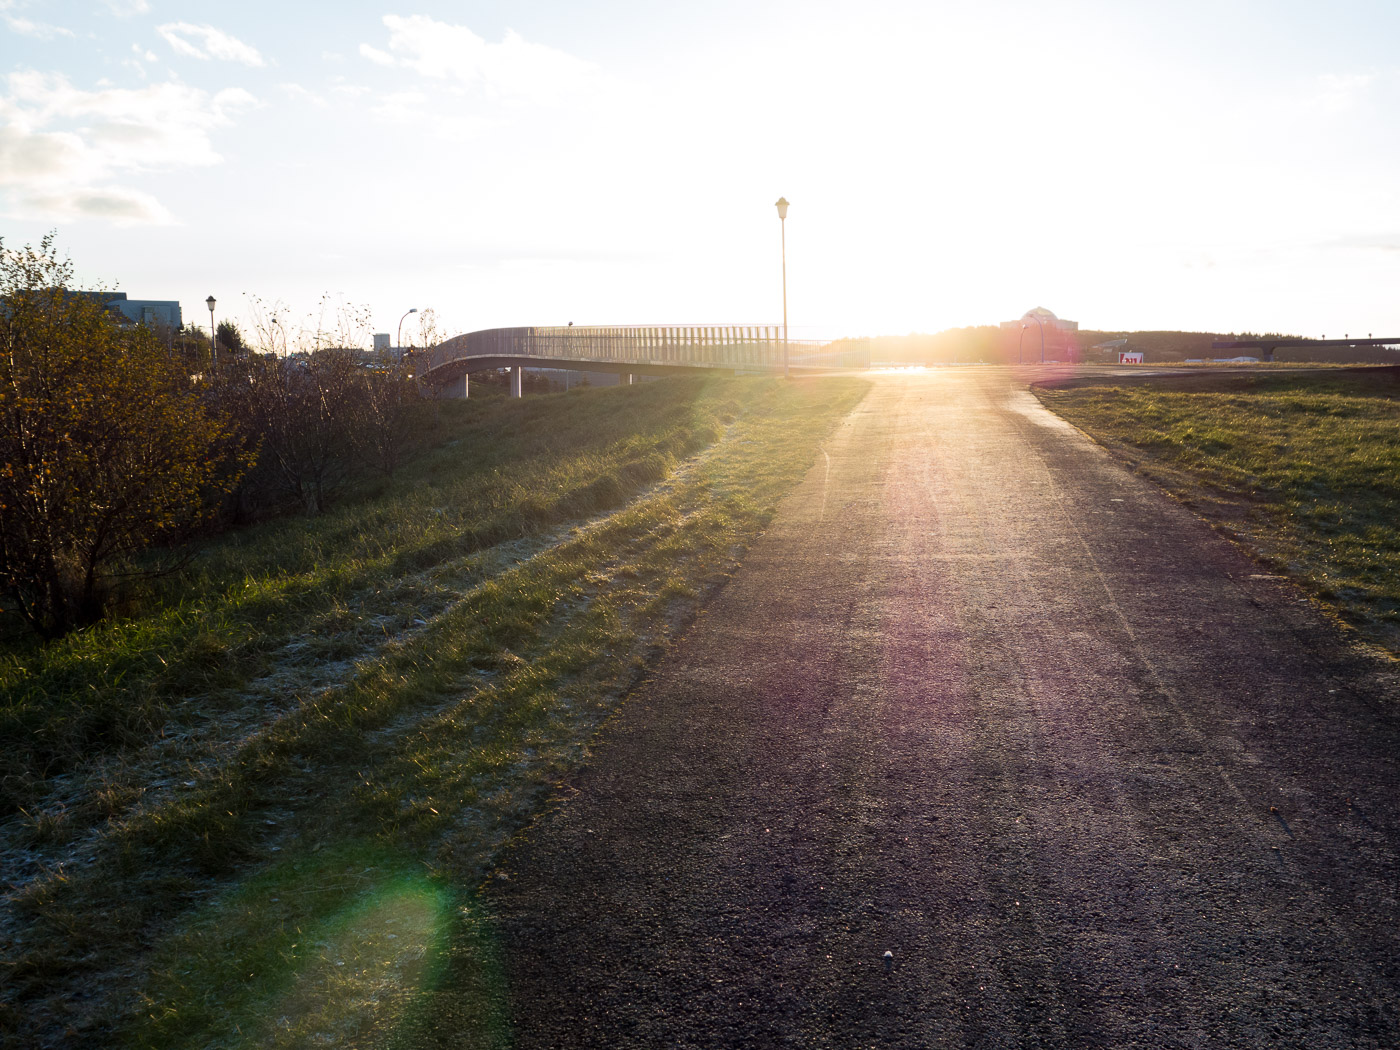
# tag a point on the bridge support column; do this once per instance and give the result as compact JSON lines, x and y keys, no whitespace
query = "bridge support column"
{"x":517,"y":376}
{"x":629,"y":379}
{"x":456,"y":388}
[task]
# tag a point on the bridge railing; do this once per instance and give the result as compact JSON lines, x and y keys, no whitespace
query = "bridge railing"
{"x":757,"y":347}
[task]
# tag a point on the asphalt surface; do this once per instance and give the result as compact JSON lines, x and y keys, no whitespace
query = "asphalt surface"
{"x":984,"y":700}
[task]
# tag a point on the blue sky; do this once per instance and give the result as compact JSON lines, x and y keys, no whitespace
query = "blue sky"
{"x":1221,"y":166}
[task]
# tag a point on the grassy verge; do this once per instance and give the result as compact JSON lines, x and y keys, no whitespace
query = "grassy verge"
{"x":339,"y":722}
{"x":260,"y":601}
{"x":1302,"y":467}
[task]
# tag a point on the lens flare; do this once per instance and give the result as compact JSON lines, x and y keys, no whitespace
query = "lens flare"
{"x":346,"y":946}
{"x":370,"y":966}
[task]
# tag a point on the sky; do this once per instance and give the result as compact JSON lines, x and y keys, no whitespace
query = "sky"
{"x":1230,"y":165}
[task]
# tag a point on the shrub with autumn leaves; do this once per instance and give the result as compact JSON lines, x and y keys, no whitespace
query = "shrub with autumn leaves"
{"x":106,"y":447}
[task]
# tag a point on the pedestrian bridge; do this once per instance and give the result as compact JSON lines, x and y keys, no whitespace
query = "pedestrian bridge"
{"x":630,"y":351}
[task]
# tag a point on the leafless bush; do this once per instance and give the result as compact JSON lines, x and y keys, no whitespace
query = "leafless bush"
{"x":318,"y":406}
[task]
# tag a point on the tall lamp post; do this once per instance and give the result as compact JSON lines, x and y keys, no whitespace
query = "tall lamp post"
{"x":398,"y":339}
{"x":213,"y":334}
{"x":782,"y":220}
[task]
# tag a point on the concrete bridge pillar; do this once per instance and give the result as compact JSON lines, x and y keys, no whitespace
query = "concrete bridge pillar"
{"x":456,"y":388}
{"x":517,"y":376}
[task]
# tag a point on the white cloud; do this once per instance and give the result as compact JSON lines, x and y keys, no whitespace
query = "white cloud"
{"x":379,"y":58}
{"x":28,"y":158}
{"x":512,"y":70}
{"x":347,"y":90}
{"x":115,"y":204}
{"x":301,"y":94}
{"x":399,"y":103}
{"x":139,"y":63}
{"x":37,"y":30}
{"x":61,"y":147}
{"x":127,"y":8}
{"x":206,"y":42}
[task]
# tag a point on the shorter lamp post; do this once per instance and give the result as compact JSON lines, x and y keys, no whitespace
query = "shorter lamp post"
{"x":213,"y":334}
{"x":782,"y":220}
{"x":398,"y":339}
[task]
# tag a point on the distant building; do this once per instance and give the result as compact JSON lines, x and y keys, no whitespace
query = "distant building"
{"x":157,"y":313}
{"x":1021,"y":339}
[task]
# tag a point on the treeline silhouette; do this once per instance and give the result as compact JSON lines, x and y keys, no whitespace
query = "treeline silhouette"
{"x":979,"y":343}
{"x":990,"y":344}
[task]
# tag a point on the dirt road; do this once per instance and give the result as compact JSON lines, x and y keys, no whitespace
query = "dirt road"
{"x":981,"y":699}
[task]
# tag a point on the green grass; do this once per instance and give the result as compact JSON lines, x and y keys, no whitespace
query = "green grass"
{"x":332,"y":727}
{"x":1302,"y":467}
{"x":511,"y":469}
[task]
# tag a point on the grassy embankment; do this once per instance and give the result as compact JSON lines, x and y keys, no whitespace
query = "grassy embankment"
{"x":254,"y":813}
{"x":1304,"y":468}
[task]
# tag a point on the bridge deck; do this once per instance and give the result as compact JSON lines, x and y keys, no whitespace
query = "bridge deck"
{"x":646,"y":350}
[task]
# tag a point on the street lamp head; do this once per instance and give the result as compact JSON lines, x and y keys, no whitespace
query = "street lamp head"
{"x":210,"y":303}
{"x":398,"y":340}
{"x":782,"y":207}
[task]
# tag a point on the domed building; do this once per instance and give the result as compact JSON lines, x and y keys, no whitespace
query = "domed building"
{"x":1021,"y":340}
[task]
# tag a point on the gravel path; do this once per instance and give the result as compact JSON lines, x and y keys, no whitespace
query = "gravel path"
{"x":983,"y":700}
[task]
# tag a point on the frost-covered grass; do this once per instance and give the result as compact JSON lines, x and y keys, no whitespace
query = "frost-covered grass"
{"x":229,"y":813}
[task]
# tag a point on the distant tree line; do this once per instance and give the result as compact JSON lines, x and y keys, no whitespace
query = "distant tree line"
{"x":1182,"y":346}
{"x":117,"y":442}
{"x":987,"y":343}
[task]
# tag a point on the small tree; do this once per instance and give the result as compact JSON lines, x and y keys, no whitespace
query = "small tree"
{"x":191,"y":348}
{"x":231,"y":338}
{"x":104,"y":445}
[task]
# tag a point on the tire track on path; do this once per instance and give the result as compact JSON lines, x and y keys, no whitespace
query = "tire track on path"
{"x":985,"y":700}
